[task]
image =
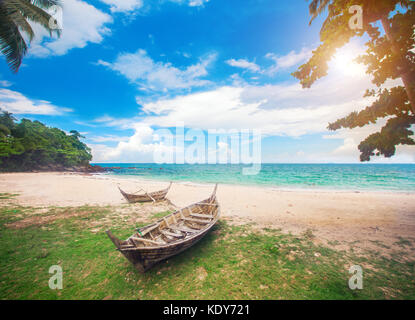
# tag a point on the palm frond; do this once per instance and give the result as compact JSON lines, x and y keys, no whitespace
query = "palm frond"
{"x":31,"y":12}
{"x":14,"y":17}
{"x":316,"y":7}
{"x":22,"y":23}
{"x":12,"y":44}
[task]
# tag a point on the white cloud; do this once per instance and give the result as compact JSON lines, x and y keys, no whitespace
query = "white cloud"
{"x":148,"y":74}
{"x":122,"y":124}
{"x":5,"y":83}
{"x":17,"y":103}
{"x":107,"y":138}
{"x":293,"y":58}
{"x":140,"y":147}
{"x":127,"y":6}
{"x":280,"y":109}
{"x":196,"y":3}
{"x":82,"y":24}
{"x":283,"y":109}
{"x":190,"y":3}
{"x":242,"y":63}
{"x":123,"y":5}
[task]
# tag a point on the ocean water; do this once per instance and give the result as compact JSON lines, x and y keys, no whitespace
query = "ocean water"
{"x":373,"y":177}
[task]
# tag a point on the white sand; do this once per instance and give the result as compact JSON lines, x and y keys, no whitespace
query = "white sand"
{"x":331,"y":215}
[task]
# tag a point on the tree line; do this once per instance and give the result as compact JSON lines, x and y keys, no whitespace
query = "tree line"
{"x":30,"y":145}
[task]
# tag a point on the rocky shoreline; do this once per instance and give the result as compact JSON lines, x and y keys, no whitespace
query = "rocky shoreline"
{"x":56,"y":168}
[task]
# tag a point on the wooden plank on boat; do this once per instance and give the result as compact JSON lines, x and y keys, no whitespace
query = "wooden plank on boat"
{"x":174,"y":218}
{"x":184,"y":229}
{"x":200,"y":215}
{"x":165,"y":221}
{"x":114,"y":240}
{"x":195,"y":220}
{"x":169,"y":238}
{"x":126,"y":246}
{"x":171,"y":234}
{"x":145,"y":231}
{"x":146,"y":240}
{"x":150,"y":197}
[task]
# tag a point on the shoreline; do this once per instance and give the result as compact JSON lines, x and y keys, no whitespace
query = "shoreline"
{"x":253,"y":185}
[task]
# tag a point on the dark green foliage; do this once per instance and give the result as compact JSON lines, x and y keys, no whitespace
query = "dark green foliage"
{"x":14,"y":17}
{"x":29,"y":145}
{"x":389,"y":55}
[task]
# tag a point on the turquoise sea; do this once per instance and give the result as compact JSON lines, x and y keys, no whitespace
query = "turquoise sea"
{"x":374,"y":177}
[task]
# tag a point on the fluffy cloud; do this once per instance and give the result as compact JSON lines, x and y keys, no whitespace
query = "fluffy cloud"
{"x":82,"y":24}
{"x":17,"y":103}
{"x":133,"y":5}
{"x":148,"y":74}
{"x":5,"y":83}
{"x":140,"y":147}
{"x":283,"y":109}
{"x":123,"y":5}
{"x":244,"y":64}
{"x":278,"y":109}
{"x":291,"y":59}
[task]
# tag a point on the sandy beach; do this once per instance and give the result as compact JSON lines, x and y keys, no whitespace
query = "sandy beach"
{"x":358,"y":219}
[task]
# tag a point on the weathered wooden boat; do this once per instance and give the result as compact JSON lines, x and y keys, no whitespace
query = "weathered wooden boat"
{"x":170,"y":235}
{"x":146,"y":196}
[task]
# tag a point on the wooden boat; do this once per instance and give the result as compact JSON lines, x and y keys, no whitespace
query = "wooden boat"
{"x":146,"y":196}
{"x":169,"y":235}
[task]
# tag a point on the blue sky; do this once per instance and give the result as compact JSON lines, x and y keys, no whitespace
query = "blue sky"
{"x":122,"y":69}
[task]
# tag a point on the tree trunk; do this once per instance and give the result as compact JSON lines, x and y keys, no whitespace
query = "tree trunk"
{"x":406,"y":77}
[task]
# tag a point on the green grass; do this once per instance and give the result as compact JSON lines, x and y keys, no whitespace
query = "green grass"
{"x":231,"y":262}
{"x":5,"y":196}
{"x":403,"y":242}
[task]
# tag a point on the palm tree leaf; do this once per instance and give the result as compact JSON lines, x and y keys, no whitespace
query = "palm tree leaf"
{"x":31,"y":12}
{"x":14,"y":16}
{"x":316,"y":7}
{"x":12,"y":44}
{"x":21,"y":22}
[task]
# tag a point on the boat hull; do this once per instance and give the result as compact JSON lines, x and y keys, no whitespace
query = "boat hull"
{"x":148,"y":197}
{"x":145,"y":258}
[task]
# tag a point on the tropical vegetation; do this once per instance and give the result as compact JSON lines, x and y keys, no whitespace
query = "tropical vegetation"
{"x":29,"y":145}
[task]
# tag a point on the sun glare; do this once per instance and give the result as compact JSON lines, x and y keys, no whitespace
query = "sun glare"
{"x":343,"y":62}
